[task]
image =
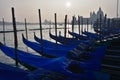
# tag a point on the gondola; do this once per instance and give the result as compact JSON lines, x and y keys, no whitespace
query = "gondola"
{"x":100,"y":36}
{"x":107,"y":31}
{"x":68,"y":41}
{"x":53,"y":51}
{"x":81,"y":37}
{"x":38,"y":61}
{"x":46,"y":51}
{"x":91,"y":35}
{"x":50,"y":44}
{"x":8,"y":72}
{"x":59,"y":65}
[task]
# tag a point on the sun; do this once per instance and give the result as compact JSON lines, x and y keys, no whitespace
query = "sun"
{"x":68,"y":4}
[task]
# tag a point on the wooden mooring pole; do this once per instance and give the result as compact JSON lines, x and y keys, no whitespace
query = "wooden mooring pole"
{"x":4,"y":32}
{"x":79,"y":24}
{"x":87,"y":24}
{"x":15,"y":37}
{"x":56,"y":27}
{"x":40,"y":24}
{"x":100,"y":28}
{"x":73,"y":19}
{"x":26,"y":32}
{"x":65,"y":31}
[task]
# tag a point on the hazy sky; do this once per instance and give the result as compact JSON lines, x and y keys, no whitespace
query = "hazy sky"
{"x":29,"y":8}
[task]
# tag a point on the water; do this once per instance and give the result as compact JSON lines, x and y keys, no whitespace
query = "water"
{"x":9,"y":37}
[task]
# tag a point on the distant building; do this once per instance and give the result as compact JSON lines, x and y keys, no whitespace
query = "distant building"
{"x":90,"y":20}
{"x":94,"y":16}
